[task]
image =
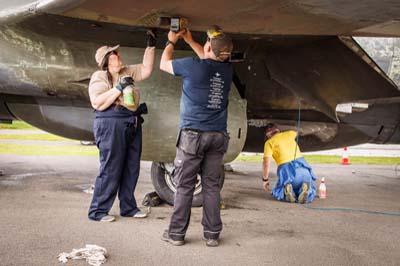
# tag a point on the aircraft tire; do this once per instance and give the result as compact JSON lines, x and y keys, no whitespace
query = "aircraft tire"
{"x":163,"y":183}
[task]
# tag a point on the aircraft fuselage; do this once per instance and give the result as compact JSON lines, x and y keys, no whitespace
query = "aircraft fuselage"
{"x":44,"y":82}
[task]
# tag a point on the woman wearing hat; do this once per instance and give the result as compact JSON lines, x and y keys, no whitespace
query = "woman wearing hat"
{"x":117,"y":130}
{"x":295,"y":176}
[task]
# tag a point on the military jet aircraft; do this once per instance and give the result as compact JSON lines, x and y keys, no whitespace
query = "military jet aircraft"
{"x":300,"y":58}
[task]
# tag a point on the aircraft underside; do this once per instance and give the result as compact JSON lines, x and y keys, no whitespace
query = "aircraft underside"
{"x":300,"y":68}
{"x":49,"y":61}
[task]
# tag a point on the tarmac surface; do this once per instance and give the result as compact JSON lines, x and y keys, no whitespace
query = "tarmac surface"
{"x":44,"y":212}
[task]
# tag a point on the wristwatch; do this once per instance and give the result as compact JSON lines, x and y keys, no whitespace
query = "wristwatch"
{"x":169,"y":42}
{"x":265,"y":179}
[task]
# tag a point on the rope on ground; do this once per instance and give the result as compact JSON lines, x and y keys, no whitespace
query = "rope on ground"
{"x":351,"y":210}
{"x":94,"y":255}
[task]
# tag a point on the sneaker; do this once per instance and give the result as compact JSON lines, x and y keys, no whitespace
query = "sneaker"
{"x":140,"y":214}
{"x":107,"y":218}
{"x":289,"y":195}
{"x":304,"y":193}
{"x":165,"y":237}
{"x":211,"y":242}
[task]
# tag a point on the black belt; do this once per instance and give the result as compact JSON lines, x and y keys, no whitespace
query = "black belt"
{"x":193,"y":129}
{"x":201,"y":131}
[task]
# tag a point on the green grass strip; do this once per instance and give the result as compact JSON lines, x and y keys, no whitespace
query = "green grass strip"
{"x":353,"y":159}
{"x":329,"y":159}
{"x":52,"y":150}
{"x":47,"y":137}
{"x":80,"y":150}
{"x":16,"y":125}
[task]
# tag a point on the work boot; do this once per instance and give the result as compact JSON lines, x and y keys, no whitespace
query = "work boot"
{"x":211,"y":242}
{"x":140,"y":215}
{"x":304,"y":193}
{"x":107,"y":218}
{"x":165,"y":237}
{"x":289,"y":194}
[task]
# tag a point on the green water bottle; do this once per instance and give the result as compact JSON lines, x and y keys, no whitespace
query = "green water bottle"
{"x":129,"y":96}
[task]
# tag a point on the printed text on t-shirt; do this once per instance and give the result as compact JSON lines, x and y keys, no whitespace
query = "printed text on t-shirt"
{"x":216,"y":92}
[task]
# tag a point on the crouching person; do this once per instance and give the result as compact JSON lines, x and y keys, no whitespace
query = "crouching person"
{"x":295,"y":176}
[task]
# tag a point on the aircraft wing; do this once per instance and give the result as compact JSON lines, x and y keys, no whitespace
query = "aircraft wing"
{"x":288,"y":17}
{"x":18,"y":10}
{"x":296,"y":52}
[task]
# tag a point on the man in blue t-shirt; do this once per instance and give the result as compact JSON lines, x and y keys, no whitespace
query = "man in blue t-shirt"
{"x":203,"y":138}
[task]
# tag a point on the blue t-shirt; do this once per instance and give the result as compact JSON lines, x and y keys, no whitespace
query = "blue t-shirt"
{"x":205,"y":90}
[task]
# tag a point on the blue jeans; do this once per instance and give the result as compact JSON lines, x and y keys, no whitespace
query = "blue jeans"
{"x":296,"y":173}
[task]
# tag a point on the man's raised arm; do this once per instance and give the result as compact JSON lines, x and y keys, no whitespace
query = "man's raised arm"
{"x":197,"y":48}
{"x":166,"y":58}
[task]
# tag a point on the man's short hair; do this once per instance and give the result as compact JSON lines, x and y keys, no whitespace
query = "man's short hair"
{"x":270,"y":126}
{"x":271,"y":129}
{"x":222,"y":46}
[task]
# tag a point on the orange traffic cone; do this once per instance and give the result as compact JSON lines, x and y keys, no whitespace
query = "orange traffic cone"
{"x":345,"y":157}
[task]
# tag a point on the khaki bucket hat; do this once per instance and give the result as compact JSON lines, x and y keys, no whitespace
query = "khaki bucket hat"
{"x":102,"y":52}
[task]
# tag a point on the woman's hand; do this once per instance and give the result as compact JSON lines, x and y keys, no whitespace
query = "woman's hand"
{"x":136,"y":97}
{"x":125,"y":82}
{"x":151,"y":38}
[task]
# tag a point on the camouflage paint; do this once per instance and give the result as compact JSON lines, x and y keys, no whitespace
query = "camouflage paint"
{"x":54,"y":74}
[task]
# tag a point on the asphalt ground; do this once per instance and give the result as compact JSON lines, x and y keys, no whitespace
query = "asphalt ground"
{"x":44,"y":212}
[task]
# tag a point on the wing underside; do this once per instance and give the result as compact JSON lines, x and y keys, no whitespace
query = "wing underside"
{"x":293,"y":57}
{"x":289,"y":17}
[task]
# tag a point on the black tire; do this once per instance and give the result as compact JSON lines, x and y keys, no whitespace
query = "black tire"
{"x":165,"y":187}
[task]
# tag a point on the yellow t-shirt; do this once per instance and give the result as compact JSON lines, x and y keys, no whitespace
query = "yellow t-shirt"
{"x":282,"y":147}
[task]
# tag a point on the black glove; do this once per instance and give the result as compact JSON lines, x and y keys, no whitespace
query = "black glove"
{"x":151,"y":38}
{"x":125,"y":82}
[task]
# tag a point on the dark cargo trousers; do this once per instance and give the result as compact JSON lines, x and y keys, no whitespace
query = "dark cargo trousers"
{"x":119,"y":140}
{"x":198,"y":152}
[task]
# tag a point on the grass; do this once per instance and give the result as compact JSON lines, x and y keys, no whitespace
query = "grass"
{"x":79,"y":150}
{"x":16,"y":125}
{"x":40,"y":149}
{"x":328,"y":159}
{"x":51,"y":150}
{"x":47,"y":137}
{"x":353,"y":159}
